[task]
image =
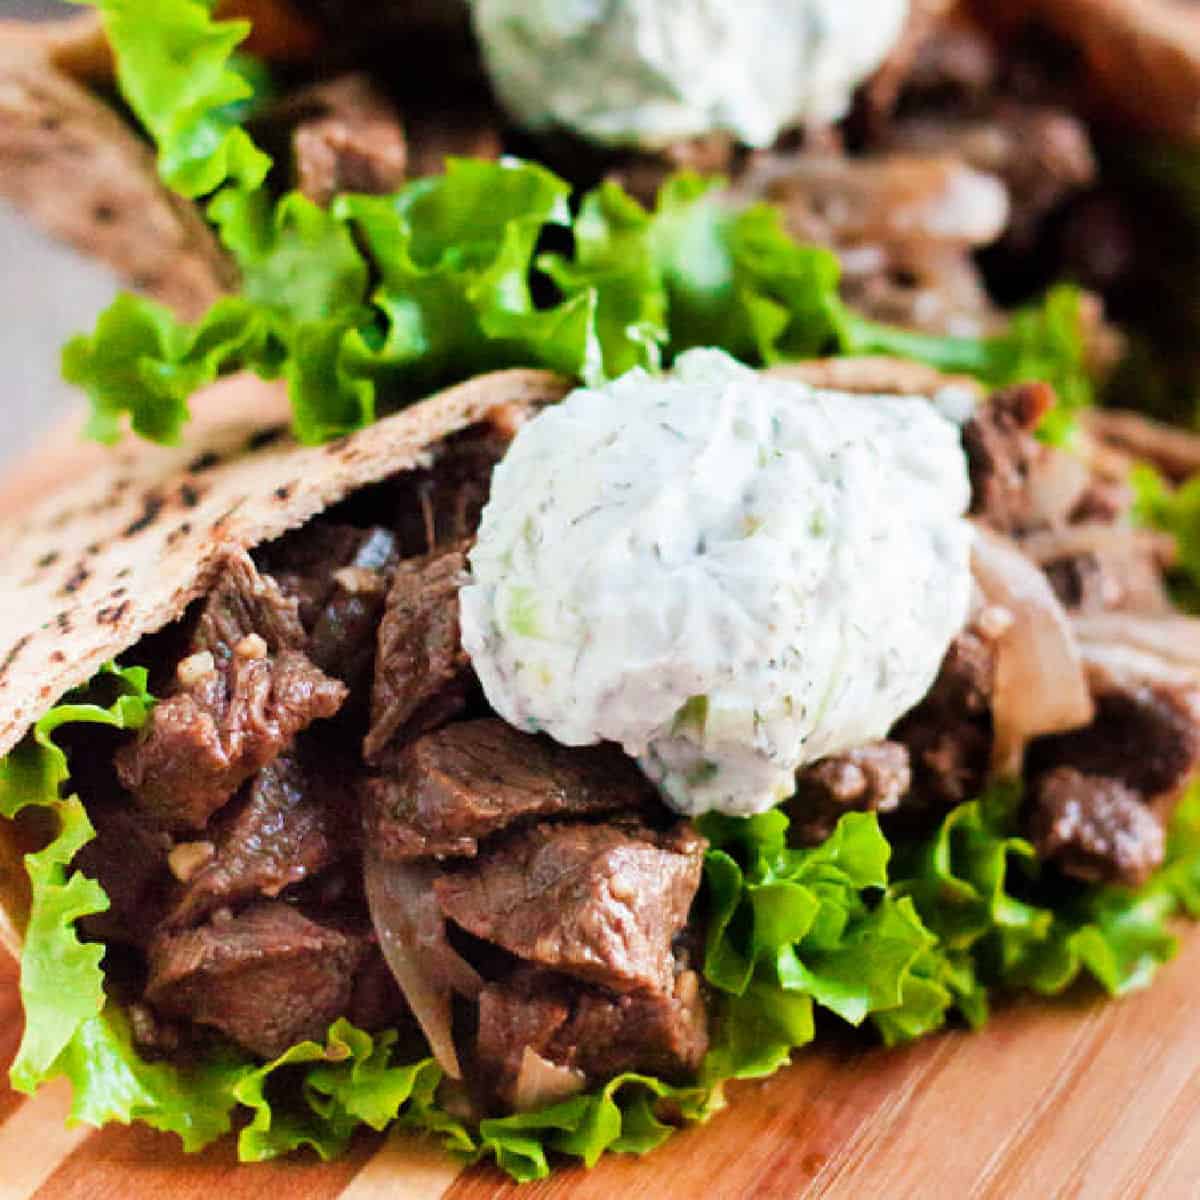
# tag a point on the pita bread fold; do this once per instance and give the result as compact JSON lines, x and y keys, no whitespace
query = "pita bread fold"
{"x":137,"y":534}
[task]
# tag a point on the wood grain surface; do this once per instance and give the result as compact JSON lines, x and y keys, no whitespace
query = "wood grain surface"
{"x":1080,"y":1098}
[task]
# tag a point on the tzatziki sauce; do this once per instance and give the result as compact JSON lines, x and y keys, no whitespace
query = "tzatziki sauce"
{"x":727,"y":573}
{"x":649,"y":72}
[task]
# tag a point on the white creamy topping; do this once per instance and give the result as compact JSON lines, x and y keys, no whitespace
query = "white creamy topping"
{"x":648,"y":72}
{"x":730,"y":575}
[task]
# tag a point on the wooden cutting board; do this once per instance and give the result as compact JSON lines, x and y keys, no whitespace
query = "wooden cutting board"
{"x":1078,"y":1097}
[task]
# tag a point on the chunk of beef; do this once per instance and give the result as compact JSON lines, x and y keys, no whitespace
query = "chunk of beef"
{"x":1094,"y":828}
{"x":949,"y":735}
{"x":267,"y":979}
{"x":128,"y":858}
{"x":870,"y":778}
{"x":244,"y":604}
{"x":353,"y":141}
{"x":294,"y":819}
{"x":1002,"y":453}
{"x":203,"y":743}
{"x":1147,"y":735}
{"x":342,"y":642}
{"x":339,"y":577}
{"x":588,"y":1030}
{"x":450,"y":789}
{"x":599,"y":902}
{"x":423,"y":676}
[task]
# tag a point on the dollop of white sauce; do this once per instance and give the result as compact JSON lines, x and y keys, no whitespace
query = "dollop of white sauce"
{"x":649,"y":72}
{"x":729,"y":574}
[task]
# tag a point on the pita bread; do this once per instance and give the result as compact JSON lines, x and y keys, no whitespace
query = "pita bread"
{"x":74,"y":167}
{"x":138,"y":534}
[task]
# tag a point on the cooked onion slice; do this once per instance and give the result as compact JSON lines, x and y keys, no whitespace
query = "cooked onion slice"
{"x":1172,"y":640}
{"x":541,"y":1083}
{"x":1040,"y":685}
{"x":1056,"y":483}
{"x":412,"y":936}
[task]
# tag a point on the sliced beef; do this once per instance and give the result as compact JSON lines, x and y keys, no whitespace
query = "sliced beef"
{"x":353,"y":141}
{"x":1147,"y":735}
{"x":294,"y":819}
{"x":244,"y":694}
{"x":423,"y":676}
{"x":1094,"y":828}
{"x":450,"y":789}
{"x":203,"y":743}
{"x":600,"y":902}
{"x":128,"y":858}
{"x":267,"y":979}
{"x":338,"y":575}
{"x":949,"y":735}
{"x":1002,"y":453}
{"x":588,"y":1030}
{"x":870,"y":778}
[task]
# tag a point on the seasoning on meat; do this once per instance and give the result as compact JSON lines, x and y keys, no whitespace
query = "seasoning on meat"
{"x":204,"y":741}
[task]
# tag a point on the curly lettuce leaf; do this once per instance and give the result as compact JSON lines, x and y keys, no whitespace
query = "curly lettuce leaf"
{"x":976,"y":885}
{"x":625,"y":1117}
{"x":790,"y":929}
{"x":178,"y":71}
{"x":110,"y":1082}
{"x":62,"y":984}
{"x":453,"y":299}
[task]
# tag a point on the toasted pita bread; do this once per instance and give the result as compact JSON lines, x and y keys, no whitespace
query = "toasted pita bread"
{"x":137,"y":536}
{"x":75,"y":168}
